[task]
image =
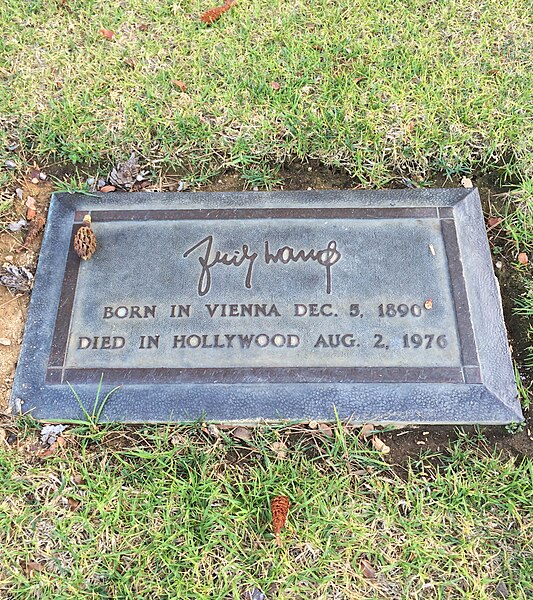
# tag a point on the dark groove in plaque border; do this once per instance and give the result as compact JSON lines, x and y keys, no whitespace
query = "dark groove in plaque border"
{"x":469,"y":373}
{"x":58,"y":349}
{"x":229,"y":375}
{"x":463,"y":319}
{"x":224,"y":214}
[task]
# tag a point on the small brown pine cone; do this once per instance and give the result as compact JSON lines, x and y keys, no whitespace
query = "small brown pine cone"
{"x":85,"y":240}
{"x":280,"y":509}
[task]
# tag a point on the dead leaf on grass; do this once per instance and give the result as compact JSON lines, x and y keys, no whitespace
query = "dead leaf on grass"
{"x":325,"y":429}
{"x":380,"y":445}
{"x":523,"y":258}
{"x":275,"y":86}
{"x":502,"y":590}
{"x":181,"y":84}
{"x":130,"y":62}
{"x":254,"y":594}
{"x":73,"y":504}
{"x":143,"y":27}
{"x":493,"y":221}
{"x":243,"y":434}
{"x":368,"y":570}
{"x":31,"y":566}
{"x":280,"y":448}
{"x":107,"y":33}
{"x":14,"y":227}
{"x":367,"y":430}
{"x":50,"y":433}
{"x":213,"y":430}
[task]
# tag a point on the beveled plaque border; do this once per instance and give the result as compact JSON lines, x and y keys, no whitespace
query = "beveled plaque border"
{"x":488,"y":395}
{"x":469,"y":372}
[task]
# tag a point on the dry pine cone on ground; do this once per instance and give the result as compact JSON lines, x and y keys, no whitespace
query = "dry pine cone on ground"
{"x":85,"y":240}
{"x":280,"y":509}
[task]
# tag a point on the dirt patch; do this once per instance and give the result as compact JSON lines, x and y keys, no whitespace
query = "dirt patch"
{"x":405,"y":443}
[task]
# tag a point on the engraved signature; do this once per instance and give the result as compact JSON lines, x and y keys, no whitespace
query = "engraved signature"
{"x":326,"y":257}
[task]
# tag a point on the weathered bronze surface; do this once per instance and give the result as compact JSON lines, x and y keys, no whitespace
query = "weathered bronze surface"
{"x":381,"y":306}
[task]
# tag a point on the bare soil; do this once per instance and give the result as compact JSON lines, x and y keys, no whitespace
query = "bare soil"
{"x":406,"y":443}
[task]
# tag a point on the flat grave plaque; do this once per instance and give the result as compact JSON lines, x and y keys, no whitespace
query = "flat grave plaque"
{"x":377,"y":306}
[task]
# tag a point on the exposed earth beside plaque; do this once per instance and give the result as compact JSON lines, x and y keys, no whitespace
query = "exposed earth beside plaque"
{"x":374,"y":306}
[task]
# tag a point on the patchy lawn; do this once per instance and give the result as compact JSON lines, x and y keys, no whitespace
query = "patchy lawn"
{"x":377,"y":87}
{"x":317,"y":94}
{"x":174,"y":512}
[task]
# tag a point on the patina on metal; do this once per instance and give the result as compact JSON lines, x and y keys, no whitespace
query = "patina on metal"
{"x":374,"y":306}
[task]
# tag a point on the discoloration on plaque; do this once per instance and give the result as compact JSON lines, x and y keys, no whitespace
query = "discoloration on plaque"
{"x":210,"y":305}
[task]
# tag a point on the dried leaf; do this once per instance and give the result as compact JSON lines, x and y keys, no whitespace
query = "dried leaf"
{"x":502,"y":590}
{"x":523,"y":258}
{"x":73,"y":504}
{"x":275,"y":85}
{"x":254,"y":594}
{"x":242,"y":433}
{"x":213,"y":430}
{"x":493,"y":221}
{"x":280,"y":509}
{"x":14,"y":227}
{"x":107,"y":33}
{"x":143,"y":27}
{"x":325,"y":429}
{"x":31,"y":566}
{"x":107,"y":188}
{"x":50,"y":433}
{"x":212,"y":15}
{"x":181,"y":84}
{"x":78,"y":479}
{"x":367,"y":430}
{"x":380,"y":445}
{"x":368,"y":570}
{"x":466,"y":182}
{"x":280,"y":448}
{"x":131,"y":62}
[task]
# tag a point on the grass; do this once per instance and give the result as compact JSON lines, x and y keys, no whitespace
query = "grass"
{"x":381,"y":89}
{"x":169,"y":512}
{"x":376,"y":87}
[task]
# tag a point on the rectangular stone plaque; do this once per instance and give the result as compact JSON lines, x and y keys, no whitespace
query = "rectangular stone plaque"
{"x":376,"y":306}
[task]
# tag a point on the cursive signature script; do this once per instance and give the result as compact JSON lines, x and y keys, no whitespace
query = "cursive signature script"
{"x":209,"y":258}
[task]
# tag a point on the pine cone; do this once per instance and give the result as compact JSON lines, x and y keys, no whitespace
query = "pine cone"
{"x":85,"y":240}
{"x":36,"y":225}
{"x":280,"y":509}
{"x":124,"y":174}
